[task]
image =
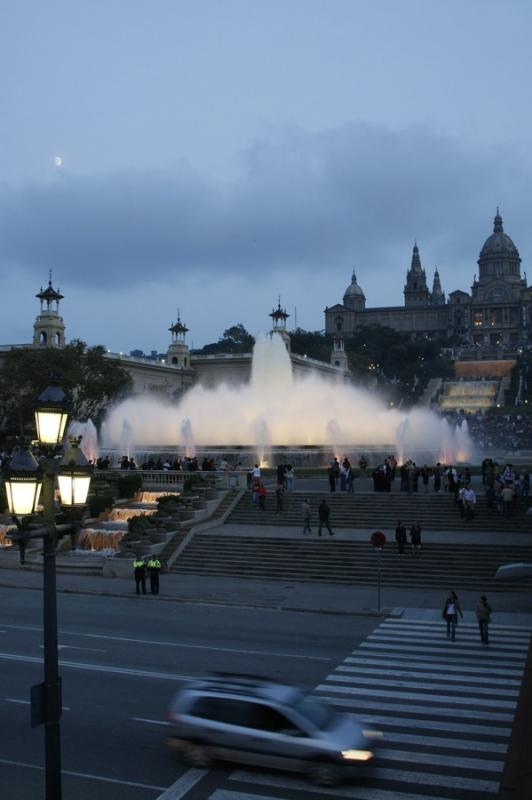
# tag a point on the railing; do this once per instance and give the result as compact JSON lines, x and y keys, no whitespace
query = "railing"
{"x":163,"y":477}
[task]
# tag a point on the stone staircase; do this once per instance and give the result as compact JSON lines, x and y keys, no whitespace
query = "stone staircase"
{"x":175,"y":541}
{"x":381,"y":510}
{"x":335,"y":561}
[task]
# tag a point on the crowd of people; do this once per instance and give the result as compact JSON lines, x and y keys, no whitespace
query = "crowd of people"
{"x":342,"y":475}
{"x":491,"y":430}
{"x":177,"y":464}
{"x":284,"y":483}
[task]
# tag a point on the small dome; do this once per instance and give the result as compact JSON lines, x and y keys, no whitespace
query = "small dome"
{"x":354,"y":290}
{"x":499,"y":243}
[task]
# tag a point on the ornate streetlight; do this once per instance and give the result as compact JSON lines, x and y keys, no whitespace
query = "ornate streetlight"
{"x":51,"y":415}
{"x":23,"y":481}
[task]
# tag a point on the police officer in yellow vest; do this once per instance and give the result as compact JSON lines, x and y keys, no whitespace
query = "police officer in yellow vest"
{"x":154,"y":569}
{"x":139,"y":570}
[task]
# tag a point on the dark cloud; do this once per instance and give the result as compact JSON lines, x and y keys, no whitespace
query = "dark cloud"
{"x":356,"y":195}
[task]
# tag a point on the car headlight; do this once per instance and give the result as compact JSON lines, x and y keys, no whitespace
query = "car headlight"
{"x":357,"y":755}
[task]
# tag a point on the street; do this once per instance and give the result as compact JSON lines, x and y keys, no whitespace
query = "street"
{"x":121,"y":660}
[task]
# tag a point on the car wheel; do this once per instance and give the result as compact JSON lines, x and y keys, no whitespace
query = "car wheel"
{"x":325,"y":774}
{"x":196,"y":755}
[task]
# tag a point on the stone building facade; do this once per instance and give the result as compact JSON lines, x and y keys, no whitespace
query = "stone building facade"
{"x":497,"y":311}
{"x":179,"y":369}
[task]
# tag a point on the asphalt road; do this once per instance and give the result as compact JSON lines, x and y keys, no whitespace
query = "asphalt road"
{"x":121,"y":660}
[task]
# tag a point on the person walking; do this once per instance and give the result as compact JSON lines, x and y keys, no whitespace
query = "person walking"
{"x":305,"y":508}
{"x":437,"y":477}
{"x":415,"y":538}
{"x":139,"y":571}
{"x":469,"y":500}
{"x":324,"y":513}
{"x":508,"y":495}
{"x":400,"y":537}
{"x":451,"y":609}
{"x":350,"y":480}
{"x":261,"y":491}
{"x":279,"y":492}
{"x":289,"y":476}
{"x":154,"y":570}
{"x":483,"y":612}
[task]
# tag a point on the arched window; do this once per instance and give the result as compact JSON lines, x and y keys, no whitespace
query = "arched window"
{"x":58,"y":339}
{"x":339,"y":323}
{"x":42,"y":337}
{"x":174,"y":360}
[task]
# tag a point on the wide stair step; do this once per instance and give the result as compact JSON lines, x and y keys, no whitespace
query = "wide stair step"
{"x":382,"y":511}
{"x":329,"y":560}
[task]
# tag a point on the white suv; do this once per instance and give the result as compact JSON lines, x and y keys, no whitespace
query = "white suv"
{"x":258,"y":722}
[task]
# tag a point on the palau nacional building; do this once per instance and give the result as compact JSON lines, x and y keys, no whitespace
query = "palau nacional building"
{"x":497,"y":313}
{"x":493,"y":322}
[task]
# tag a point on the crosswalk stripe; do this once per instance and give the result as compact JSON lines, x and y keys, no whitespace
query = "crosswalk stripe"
{"x":470,"y":689}
{"x":447,"y":744}
{"x":437,"y":779}
{"x":429,"y":661}
{"x":227,"y":794}
{"x":393,"y":621}
{"x":390,"y":720}
{"x":415,"y":674}
{"x":434,"y":697}
{"x":430,"y":779}
{"x":358,"y":705}
{"x":418,"y":624}
{"x":473,"y":633}
{"x":460,"y":641}
{"x":433,"y":759}
{"x":444,"y":648}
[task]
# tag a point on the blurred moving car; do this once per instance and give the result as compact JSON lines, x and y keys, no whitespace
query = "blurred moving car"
{"x":256,"y":721}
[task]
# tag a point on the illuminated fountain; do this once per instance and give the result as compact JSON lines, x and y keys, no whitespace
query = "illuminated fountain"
{"x":89,"y":441}
{"x":282,"y":415}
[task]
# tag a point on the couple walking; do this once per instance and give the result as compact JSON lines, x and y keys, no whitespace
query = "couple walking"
{"x":324,"y":514}
{"x":451,"y":610}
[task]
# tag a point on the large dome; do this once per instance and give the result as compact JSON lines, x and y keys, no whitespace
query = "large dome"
{"x":354,"y":290}
{"x":499,"y":243}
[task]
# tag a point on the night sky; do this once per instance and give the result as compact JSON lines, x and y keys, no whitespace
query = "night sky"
{"x":209,"y":156}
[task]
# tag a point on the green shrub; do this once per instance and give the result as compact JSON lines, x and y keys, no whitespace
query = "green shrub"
{"x":191,"y":482}
{"x":138,"y":524}
{"x":99,"y":503}
{"x":128,"y":485}
{"x":168,"y":499}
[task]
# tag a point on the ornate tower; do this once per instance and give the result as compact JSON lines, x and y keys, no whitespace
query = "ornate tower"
{"x":338,"y":355}
{"x":178,"y":351}
{"x":416,"y":290}
{"x":437,"y":296}
{"x":49,"y":328}
{"x":279,"y":317}
{"x":354,"y":298}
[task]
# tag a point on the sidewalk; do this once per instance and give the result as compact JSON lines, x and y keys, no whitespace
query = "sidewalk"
{"x":513,"y":608}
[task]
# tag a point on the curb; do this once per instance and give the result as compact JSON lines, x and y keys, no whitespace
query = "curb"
{"x":384,"y":612}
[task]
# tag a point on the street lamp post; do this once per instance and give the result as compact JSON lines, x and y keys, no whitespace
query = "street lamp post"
{"x":23,"y":482}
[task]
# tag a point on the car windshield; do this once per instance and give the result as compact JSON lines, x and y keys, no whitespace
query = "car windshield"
{"x":319,"y":714}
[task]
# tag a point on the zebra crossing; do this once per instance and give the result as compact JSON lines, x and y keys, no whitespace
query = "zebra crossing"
{"x":445,"y":710}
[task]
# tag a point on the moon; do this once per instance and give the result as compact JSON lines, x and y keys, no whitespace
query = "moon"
{"x":58,"y":161}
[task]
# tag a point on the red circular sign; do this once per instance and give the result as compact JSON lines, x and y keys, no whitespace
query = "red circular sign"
{"x":378,"y":539}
